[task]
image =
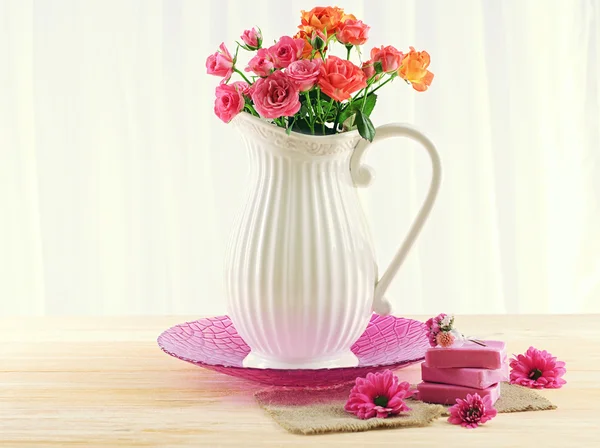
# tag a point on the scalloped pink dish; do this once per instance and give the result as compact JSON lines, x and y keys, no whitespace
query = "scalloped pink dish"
{"x":389,"y":342}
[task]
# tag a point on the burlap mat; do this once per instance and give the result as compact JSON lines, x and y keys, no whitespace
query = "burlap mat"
{"x":515,"y":398}
{"x":319,"y":411}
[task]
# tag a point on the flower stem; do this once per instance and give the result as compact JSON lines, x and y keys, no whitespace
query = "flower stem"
{"x":290,"y":124}
{"x":327,"y":114}
{"x":311,"y":114}
{"x":328,"y":110}
{"x":362,"y":106}
{"x":357,"y":98}
{"x":352,"y":100}
{"x":382,"y":84}
{"x":320,"y":111}
{"x":348,"y":48}
{"x":251,"y":109}
{"x":337,"y":118}
{"x":242,"y":75}
{"x":310,"y":110}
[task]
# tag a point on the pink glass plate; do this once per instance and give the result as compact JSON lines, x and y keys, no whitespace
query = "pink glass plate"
{"x":389,"y":342}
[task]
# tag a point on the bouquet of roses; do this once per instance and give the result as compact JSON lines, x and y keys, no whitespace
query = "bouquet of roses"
{"x":298,"y":85}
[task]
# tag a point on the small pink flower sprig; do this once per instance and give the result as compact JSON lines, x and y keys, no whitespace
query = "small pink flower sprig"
{"x":441,"y":332}
{"x":378,"y":395}
{"x":537,"y":369}
{"x":472,"y":411}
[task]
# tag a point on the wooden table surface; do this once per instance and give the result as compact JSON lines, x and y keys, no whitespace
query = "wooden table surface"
{"x":103,"y":382}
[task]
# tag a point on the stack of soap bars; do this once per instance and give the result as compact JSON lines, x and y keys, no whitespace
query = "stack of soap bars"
{"x":454,"y":372}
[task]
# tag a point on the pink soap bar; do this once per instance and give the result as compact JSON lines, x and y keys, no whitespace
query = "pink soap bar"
{"x":448,"y":393}
{"x":469,"y":355}
{"x":466,"y":376}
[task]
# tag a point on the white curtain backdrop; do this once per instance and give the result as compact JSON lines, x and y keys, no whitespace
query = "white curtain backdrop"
{"x":118,"y":186}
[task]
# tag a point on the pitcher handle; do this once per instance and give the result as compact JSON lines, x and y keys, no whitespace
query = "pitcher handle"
{"x":362,"y":175}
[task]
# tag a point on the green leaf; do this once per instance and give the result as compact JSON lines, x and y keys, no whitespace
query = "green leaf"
{"x":290,"y":125}
{"x":332,"y":114}
{"x":303,"y":110}
{"x":365,"y":126}
{"x":348,"y":124}
{"x":350,"y":110}
{"x":244,"y":46}
{"x":324,"y":106}
{"x":347,"y":113}
{"x":370,"y":102}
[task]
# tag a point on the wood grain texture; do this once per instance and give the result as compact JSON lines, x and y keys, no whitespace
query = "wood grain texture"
{"x":103,"y":382}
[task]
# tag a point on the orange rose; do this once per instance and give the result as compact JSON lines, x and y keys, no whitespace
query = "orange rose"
{"x":307,"y":51}
{"x":414,"y":69}
{"x":346,"y":16}
{"x":322,"y":18}
{"x":339,"y":78}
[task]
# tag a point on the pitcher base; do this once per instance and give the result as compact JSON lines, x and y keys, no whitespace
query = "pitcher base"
{"x":342,"y":359}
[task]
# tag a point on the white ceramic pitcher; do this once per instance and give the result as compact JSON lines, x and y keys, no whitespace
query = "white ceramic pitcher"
{"x":301,"y":275}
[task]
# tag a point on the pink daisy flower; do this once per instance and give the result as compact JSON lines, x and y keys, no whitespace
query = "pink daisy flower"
{"x":537,"y":369}
{"x":472,"y":412}
{"x":378,"y":395}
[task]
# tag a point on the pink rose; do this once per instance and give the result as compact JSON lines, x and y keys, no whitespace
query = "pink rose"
{"x":229,"y":102}
{"x":368,"y":67}
{"x":353,"y":32}
{"x":389,"y":57}
{"x":304,"y":73}
{"x":220,"y":63}
{"x":252,"y":39}
{"x":261,"y":64}
{"x":241,"y":86}
{"x":276,"y":96}
{"x":249,"y":90}
{"x":339,"y":78}
{"x":286,"y":51}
